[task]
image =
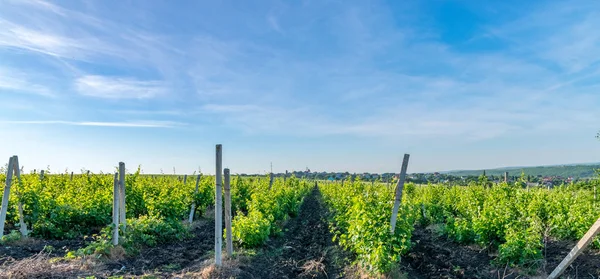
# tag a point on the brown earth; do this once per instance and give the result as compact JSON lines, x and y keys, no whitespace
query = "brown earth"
{"x":436,"y":256}
{"x":29,"y":247}
{"x":305,"y":250}
{"x":169,"y":258}
{"x":587,"y":265}
{"x":163,"y":261}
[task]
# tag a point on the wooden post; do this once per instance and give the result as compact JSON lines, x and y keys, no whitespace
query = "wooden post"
{"x":9,"y":174}
{"x":399,"y":188}
{"x":122,"y":196}
{"x":271,"y":181}
{"x":42,"y":175}
{"x":71,"y":176}
{"x":88,"y":173}
{"x":22,"y":225}
{"x":285,"y":177}
{"x":184,"y":179}
{"x":576,"y":251}
{"x":506,"y":176}
{"x":116,"y":205}
{"x":193,"y":210}
{"x":218,"y":206}
{"x":228,"y":238}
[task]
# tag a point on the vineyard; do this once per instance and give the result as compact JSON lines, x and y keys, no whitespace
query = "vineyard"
{"x":511,"y":222}
{"x":292,"y":227}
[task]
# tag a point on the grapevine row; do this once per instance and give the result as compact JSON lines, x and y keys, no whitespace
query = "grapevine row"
{"x":511,"y":220}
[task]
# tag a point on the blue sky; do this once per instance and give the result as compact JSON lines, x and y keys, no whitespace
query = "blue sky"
{"x":329,"y":85}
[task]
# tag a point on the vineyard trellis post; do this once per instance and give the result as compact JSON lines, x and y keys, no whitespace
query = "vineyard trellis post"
{"x":193,"y":209}
{"x":122,"y":196}
{"x":399,"y":188}
{"x":71,"y":177}
{"x":13,"y":169}
{"x":116,"y":205}
{"x":270,"y":180}
{"x":17,"y":171}
{"x":576,"y":251}
{"x":9,"y":175}
{"x":228,"y":238}
{"x":42,"y":175}
{"x":218,"y":206}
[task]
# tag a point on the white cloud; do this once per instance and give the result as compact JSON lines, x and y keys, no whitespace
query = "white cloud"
{"x":425,"y":88}
{"x":137,"y":124}
{"x":19,"y":81}
{"x":565,"y":33}
{"x":118,"y":87}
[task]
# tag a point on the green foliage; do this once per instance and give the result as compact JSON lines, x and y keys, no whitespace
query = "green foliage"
{"x":100,"y":247}
{"x":251,"y":230}
{"x":11,"y":237}
{"x":60,"y":208}
{"x":259,"y":208}
{"x":150,"y":231}
{"x":509,"y":218}
{"x":361,"y":222}
{"x":142,"y":232}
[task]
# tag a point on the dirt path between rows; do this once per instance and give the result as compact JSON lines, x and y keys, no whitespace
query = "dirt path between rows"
{"x":29,"y":247}
{"x":305,"y":250}
{"x":166,"y":260}
{"x":436,"y":256}
{"x":173,"y":257}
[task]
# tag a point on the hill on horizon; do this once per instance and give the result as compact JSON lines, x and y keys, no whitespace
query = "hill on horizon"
{"x":567,"y":170}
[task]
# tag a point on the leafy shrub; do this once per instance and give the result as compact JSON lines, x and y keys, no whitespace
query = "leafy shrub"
{"x":509,"y":218}
{"x":141,"y":232}
{"x":265,"y":207}
{"x":251,"y":230}
{"x":361,"y":223}
{"x":57,"y":207}
{"x":11,"y":237}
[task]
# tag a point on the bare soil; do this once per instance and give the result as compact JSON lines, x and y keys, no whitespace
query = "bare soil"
{"x":29,"y":247}
{"x":163,"y":261}
{"x":587,"y":265}
{"x":436,"y":256}
{"x":169,"y":258}
{"x":305,"y":250}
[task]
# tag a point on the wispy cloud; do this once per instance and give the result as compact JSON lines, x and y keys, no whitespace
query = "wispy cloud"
{"x":220,"y":108}
{"x":15,"y":80}
{"x":152,"y":112}
{"x":361,"y":71}
{"x":561,"y":33}
{"x":274,"y":23}
{"x":118,"y":87}
{"x":355,"y":71}
{"x":44,"y":40}
{"x":140,"y":124}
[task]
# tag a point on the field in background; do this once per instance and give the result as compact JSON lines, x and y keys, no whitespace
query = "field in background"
{"x":494,"y":226}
